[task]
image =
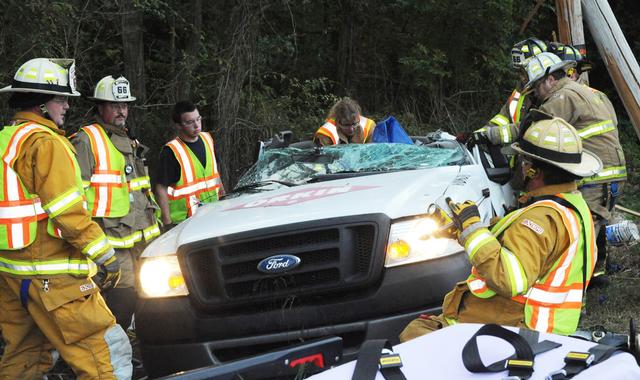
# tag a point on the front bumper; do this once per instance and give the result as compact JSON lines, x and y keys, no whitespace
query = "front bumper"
{"x":177,"y":336}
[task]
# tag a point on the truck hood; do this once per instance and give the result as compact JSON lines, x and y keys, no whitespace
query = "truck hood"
{"x":395,"y":194}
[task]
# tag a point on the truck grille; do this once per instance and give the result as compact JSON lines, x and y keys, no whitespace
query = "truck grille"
{"x":335,"y":256}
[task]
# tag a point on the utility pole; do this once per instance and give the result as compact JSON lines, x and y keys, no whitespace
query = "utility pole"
{"x":616,"y":54}
{"x":570,"y":27}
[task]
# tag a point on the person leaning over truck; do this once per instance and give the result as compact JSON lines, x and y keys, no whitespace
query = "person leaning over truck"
{"x":188,"y":174}
{"x":345,"y":125}
{"x":596,"y":123}
{"x":118,"y":188}
{"x":504,"y":125}
{"x":49,"y":246}
{"x":528,"y":269}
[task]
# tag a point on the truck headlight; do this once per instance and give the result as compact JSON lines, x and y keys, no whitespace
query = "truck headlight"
{"x":416,"y":240}
{"x":161,"y":277}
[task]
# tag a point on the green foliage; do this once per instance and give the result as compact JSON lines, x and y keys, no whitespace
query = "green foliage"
{"x":259,"y":67}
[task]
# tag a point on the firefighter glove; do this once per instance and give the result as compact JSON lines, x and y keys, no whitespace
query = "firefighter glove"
{"x":481,"y":136}
{"x":111,"y":273}
{"x":465,"y":214}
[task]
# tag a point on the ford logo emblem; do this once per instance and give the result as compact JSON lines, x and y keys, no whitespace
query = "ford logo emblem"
{"x":278,"y":263}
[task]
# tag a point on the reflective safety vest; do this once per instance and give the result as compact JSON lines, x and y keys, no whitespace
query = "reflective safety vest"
{"x":198,"y":184}
{"x":20,"y":210}
{"x":107,"y":191}
{"x":330,"y":130}
{"x":514,"y":105}
{"x":608,"y":173}
{"x":552,"y":304}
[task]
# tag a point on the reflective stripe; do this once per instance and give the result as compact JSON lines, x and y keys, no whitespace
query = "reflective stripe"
{"x":572,"y":297}
{"x":151,"y":232}
{"x":62,"y":203}
{"x":517,"y":276}
{"x":477,"y":240}
{"x":16,"y":141}
{"x":97,"y":178}
{"x":477,"y":285}
{"x":30,"y":208}
{"x":499,"y":120}
{"x":190,"y":188}
{"x":596,"y":129}
{"x":514,"y":105}
{"x":505,"y":133}
{"x":96,"y":247}
{"x":612,"y":172}
{"x":139,"y":183}
{"x":331,"y":131}
{"x":125,"y":242}
{"x":183,"y":157}
{"x":26,"y":268}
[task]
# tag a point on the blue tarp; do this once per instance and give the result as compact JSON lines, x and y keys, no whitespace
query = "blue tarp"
{"x":390,"y":131}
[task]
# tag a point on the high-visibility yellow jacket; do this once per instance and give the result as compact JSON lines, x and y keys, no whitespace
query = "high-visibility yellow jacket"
{"x":330,"y":134}
{"x":528,"y":271}
{"x":107,"y":158}
{"x":198,"y":184}
{"x":44,"y":163}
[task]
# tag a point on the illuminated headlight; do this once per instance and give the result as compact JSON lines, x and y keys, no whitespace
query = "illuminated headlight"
{"x":412,"y":241}
{"x":161,"y":277}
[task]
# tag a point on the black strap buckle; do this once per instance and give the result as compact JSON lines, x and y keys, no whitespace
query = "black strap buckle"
{"x":519,"y":364}
{"x":584,"y":359}
{"x":389,"y":359}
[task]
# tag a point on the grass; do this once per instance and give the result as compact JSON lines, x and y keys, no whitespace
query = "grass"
{"x":612,"y":306}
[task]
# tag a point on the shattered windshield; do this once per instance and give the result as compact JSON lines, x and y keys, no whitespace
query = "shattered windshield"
{"x":294,"y":166}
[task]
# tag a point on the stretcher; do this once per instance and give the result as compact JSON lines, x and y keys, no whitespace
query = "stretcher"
{"x":439,"y":356}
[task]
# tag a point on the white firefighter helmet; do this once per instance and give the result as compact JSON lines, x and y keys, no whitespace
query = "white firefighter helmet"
{"x":544,"y":64}
{"x":55,"y":76}
{"x":557,"y":142}
{"x":109,"y":89}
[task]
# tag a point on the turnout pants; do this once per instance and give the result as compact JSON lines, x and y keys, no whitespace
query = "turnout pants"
{"x":65,"y":313}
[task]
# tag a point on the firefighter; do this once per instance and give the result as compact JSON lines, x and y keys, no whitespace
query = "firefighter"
{"x":49,"y":246}
{"x":345,"y":125}
{"x":596,"y":122}
{"x":116,"y":181}
{"x":529,"y":269}
{"x":188,"y":171}
{"x":503,"y":127}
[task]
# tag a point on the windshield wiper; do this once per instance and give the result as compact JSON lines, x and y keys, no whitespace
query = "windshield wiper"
{"x":259,"y":184}
{"x":347,"y":174}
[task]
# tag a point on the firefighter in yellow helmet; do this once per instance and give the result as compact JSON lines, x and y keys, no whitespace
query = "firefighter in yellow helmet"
{"x":528,"y":270}
{"x":116,"y":180}
{"x":49,"y":246}
{"x":345,"y":125}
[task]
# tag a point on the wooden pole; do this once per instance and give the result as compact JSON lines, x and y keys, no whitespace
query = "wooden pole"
{"x":628,"y":211}
{"x":616,"y":54}
{"x":570,"y":27}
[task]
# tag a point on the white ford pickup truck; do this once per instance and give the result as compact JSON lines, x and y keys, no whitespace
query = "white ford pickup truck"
{"x":312,"y":242}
